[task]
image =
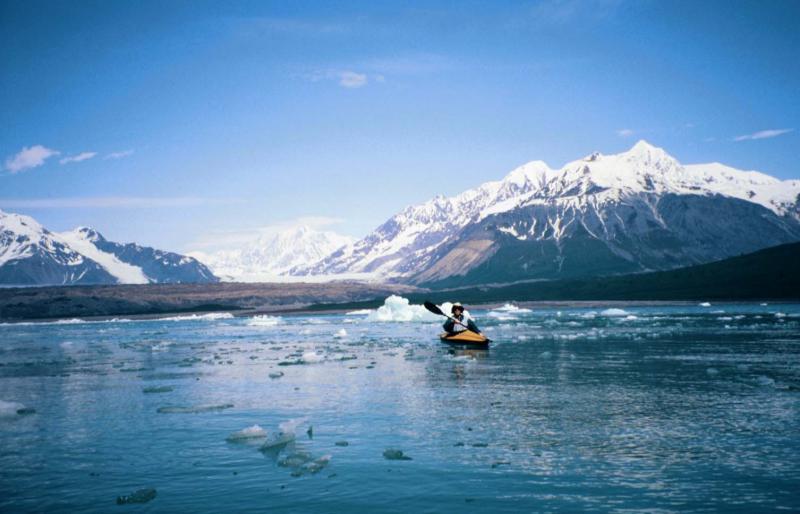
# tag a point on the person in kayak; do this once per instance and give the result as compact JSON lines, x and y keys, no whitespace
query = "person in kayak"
{"x":452,"y":328}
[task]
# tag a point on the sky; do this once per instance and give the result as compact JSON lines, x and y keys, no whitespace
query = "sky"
{"x":178,"y":123}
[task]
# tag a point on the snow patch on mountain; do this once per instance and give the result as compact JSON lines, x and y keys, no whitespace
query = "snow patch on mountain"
{"x":272,"y":256}
{"x":409,"y":241}
{"x":82,"y":240}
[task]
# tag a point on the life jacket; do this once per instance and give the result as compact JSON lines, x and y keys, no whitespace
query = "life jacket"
{"x":460,"y":328}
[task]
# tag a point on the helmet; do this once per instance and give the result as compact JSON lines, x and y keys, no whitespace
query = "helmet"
{"x":455,"y":306}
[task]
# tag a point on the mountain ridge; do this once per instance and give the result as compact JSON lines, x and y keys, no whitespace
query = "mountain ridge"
{"x":444,"y":237}
{"x":30,"y":254}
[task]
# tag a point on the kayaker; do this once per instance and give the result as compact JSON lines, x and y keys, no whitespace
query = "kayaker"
{"x":451,"y":327}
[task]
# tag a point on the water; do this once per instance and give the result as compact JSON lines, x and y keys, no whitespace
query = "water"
{"x":685,"y":408}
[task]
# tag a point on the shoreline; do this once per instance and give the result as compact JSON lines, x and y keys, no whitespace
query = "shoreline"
{"x":338,"y":309}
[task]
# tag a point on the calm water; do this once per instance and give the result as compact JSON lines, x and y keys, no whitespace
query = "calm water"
{"x":684,"y":408}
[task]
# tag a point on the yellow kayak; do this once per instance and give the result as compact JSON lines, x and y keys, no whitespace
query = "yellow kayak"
{"x":466,"y":337}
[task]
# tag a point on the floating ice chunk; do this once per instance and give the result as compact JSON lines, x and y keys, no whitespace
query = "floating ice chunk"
{"x":317,"y":465}
{"x":360,"y":312}
{"x":631,"y":317}
{"x":249,"y":433}
{"x":312,"y":358}
{"x":264,"y":321}
{"x":10,"y":409}
{"x":295,"y":460}
{"x":780,"y":315}
{"x":765,"y":381}
{"x":397,"y":308}
{"x":393,"y":454}
{"x":140,"y":496}
{"x":614,"y":312}
{"x":194,"y":409}
{"x":340,"y":334}
{"x":545,"y":355}
{"x":278,"y":374}
{"x":712,"y":371}
{"x":704,"y":304}
{"x":200,"y":317}
{"x":290,"y":426}
{"x":277,"y":441}
{"x":509,"y":307}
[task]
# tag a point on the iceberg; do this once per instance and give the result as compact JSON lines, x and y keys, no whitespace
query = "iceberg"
{"x":264,"y":321}
{"x":247,"y":434}
{"x":200,"y":317}
{"x":397,"y":308}
{"x":511,"y":308}
{"x":11,"y":409}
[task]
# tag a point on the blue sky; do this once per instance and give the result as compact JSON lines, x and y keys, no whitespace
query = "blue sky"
{"x":178,"y":123}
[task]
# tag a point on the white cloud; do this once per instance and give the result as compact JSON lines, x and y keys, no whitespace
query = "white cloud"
{"x":119,"y":155}
{"x":29,"y":157}
{"x":351,"y":79}
{"x":763,"y":134}
{"x":83,"y":156}
{"x":111,"y":202}
{"x":625,"y":132}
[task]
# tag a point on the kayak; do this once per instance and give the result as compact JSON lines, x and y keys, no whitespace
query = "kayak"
{"x":465,"y":337}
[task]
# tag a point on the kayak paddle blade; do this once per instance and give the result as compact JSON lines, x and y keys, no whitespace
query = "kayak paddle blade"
{"x":434,"y":308}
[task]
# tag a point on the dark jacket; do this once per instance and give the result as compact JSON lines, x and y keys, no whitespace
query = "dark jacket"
{"x":450,"y":324}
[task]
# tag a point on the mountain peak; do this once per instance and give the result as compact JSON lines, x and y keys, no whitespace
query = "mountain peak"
{"x":644,"y":151}
{"x":89,"y":234}
{"x":532,"y":171}
{"x":643,"y":146}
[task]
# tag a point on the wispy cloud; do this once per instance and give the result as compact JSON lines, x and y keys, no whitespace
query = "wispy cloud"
{"x":625,"y":132}
{"x":83,"y":156}
{"x":352,"y":80}
{"x":763,"y":134}
{"x":345,"y":78}
{"x":119,"y":155}
{"x":29,"y":157}
{"x":112,"y":202}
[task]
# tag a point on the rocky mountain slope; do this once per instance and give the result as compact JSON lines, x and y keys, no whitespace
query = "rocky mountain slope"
{"x":604,"y":214}
{"x":32,"y":255}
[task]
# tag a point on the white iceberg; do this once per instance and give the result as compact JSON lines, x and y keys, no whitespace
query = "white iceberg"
{"x":264,"y":321}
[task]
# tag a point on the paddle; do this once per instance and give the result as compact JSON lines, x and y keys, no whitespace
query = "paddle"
{"x":432,"y":307}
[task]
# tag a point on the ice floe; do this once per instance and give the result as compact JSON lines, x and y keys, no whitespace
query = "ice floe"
{"x":360,"y":312}
{"x":511,"y":308}
{"x":210,"y":316}
{"x":247,"y":434}
{"x":614,"y":312}
{"x":11,"y":409}
{"x":397,"y":308}
{"x":264,"y":321}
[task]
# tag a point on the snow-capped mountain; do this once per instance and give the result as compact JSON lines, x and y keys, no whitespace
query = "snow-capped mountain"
{"x":633,"y":211}
{"x":273,"y":255}
{"x":32,"y":255}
